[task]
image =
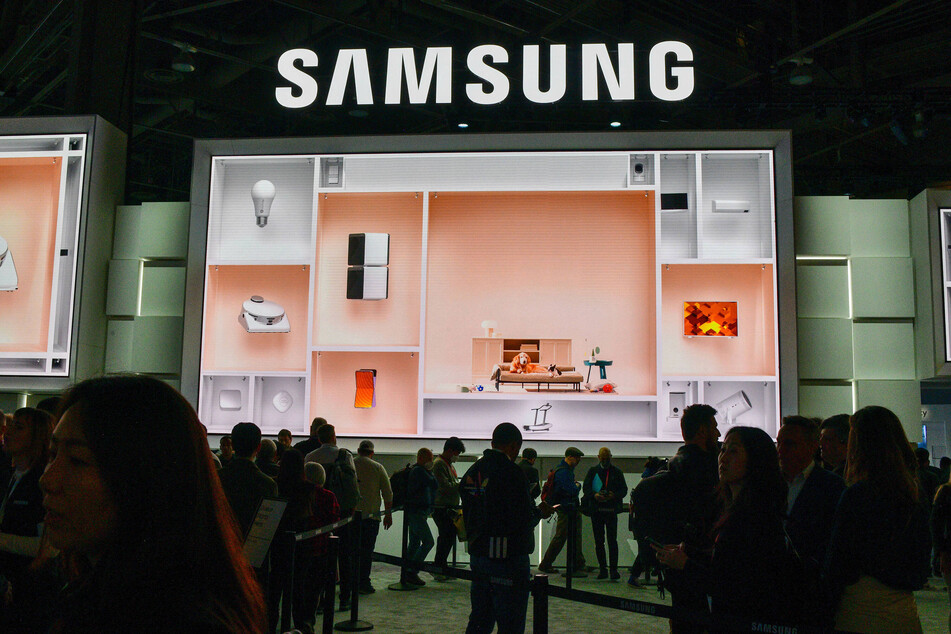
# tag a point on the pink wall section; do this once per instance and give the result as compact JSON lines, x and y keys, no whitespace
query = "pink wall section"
{"x":561,"y":265}
{"x":390,"y":322}
{"x":228,"y":346}
{"x":29,"y":202}
{"x":750,"y":353}
{"x":334,"y":387}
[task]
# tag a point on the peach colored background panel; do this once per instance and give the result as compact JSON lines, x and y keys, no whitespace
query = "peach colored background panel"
{"x":29,"y":202}
{"x":228,"y":346}
{"x":394,"y":321}
{"x":752,"y":353}
{"x":334,"y":386}
{"x":561,"y":265}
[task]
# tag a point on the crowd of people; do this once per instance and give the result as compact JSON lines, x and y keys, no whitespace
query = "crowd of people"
{"x":117,"y":517}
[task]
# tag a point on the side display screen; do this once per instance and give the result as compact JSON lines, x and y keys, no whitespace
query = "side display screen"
{"x":40,"y":191}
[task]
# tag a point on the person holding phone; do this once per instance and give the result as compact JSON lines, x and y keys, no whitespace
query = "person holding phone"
{"x":741,"y":574}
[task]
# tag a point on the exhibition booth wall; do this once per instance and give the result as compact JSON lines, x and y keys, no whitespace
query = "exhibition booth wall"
{"x":557,"y":267}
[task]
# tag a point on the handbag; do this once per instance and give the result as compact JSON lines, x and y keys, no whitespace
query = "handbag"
{"x":459,"y":522}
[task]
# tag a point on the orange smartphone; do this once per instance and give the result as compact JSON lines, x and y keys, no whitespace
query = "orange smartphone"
{"x":366,"y":389}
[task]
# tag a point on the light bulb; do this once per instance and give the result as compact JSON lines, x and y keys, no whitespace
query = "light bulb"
{"x":262,"y":193}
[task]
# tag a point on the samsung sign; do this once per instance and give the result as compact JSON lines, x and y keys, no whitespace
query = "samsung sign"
{"x":669,"y":65}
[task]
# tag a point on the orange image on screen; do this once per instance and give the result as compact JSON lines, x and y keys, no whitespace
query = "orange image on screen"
{"x":366,"y":393}
{"x":710,"y":319}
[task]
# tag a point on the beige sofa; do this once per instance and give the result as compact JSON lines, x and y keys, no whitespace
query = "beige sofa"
{"x":568,"y":377}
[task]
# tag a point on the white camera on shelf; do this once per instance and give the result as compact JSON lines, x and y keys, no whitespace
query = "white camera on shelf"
{"x":260,"y":315}
{"x":8,"y":270}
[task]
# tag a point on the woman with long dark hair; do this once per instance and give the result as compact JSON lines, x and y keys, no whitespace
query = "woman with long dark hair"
{"x":880,"y":547}
{"x":742,"y":574}
{"x":133,"y":502}
{"x":26,"y":442}
{"x":298,"y":516}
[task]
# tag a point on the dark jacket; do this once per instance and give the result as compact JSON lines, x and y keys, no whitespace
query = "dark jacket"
{"x":564,"y":490}
{"x":24,"y":512}
{"x":244,"y":485}
{"x":873,"y":535}
{"x":500,"y":514}
{"x":678,"y":504}
{"x":612,"y":481}
{"x":941,"y":520}
{"x":307,"y":445}
{"x":531,"y":474}
{"x":810,"y":523}
{"x":744,"y":575}
{"x":420,"y":490}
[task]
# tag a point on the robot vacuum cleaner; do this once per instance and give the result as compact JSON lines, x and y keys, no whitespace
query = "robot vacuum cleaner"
{"x":260,"y":315}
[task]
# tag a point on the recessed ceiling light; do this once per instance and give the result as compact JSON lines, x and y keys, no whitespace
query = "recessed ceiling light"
{"x":463,"y":125}
{"x":615,"y":124}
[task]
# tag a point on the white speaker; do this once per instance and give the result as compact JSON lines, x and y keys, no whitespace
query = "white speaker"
{"x":367,"y":282}
{"x":369,"y":249}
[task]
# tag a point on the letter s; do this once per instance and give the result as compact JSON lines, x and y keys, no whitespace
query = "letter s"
{"x":306,"y":83}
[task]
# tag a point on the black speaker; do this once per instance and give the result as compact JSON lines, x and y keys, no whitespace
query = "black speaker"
{"x":368,"y":249}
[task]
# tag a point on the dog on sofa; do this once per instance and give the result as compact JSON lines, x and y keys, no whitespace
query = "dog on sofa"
{"x":522,"y":364}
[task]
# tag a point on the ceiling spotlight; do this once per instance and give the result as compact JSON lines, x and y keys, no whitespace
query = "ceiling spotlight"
{"x":183,"y":61}
{"x":463,"y":125}
{"x":615,"y":124}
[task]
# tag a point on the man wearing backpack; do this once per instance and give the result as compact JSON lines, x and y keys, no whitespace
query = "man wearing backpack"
{"x":562,"y":492}
{"x":342,"y":482}
{"x":500,"y":518}
{"x":420,"y":494}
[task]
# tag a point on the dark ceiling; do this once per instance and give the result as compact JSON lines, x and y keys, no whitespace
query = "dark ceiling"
{"x":872,"y":121}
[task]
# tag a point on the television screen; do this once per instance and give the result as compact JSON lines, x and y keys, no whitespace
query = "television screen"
{"x":710,"y":319}
{"x":485,"y":255}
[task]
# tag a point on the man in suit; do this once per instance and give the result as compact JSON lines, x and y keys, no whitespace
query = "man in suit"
{"x":813,"y":493}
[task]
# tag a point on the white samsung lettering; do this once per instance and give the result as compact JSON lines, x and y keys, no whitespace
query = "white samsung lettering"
{"x":347,"y":58}
{"x":496,"y":78}
{"x":620,"y":84}
{"x":306,"y":83}
{"x":683,"y":75}
{"x":557,"y":73}
{"x":401,"y":63}
{"x":670,"y":67}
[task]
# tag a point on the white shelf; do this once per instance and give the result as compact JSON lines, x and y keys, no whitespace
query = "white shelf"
{"x":489,"y":394}
{"x":365,"y":348}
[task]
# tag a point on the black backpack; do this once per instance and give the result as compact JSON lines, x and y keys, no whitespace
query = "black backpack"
{"x":399,"y":482}
{"x":342,"y":481}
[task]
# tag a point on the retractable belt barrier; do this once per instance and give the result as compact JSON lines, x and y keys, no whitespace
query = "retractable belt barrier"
{"x":541,"y":590}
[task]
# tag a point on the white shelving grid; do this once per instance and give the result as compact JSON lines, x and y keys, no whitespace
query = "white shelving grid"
{"x":694,"y":235}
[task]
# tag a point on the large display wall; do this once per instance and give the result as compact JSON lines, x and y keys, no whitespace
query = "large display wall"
{"x":661,"y":262}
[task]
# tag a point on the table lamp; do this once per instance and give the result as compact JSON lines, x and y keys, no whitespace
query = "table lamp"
{"x":490,"y":325}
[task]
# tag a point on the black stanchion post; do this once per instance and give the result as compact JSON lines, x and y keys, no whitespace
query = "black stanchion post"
{"x":330,"y":585}
{"x":287,"y":595}
{"x":540,"y":604}
{"x":455,"y":540}
{"x":400,"y":585}
{"x":354,"y":624}
{"x":570,"y":567}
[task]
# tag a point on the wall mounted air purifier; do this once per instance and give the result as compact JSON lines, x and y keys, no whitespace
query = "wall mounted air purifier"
{"x":260,"y":315}
{"x":369,"y":249}
{"x":367,"y":282}
{"x":731,"y":206}
{"x":8,"y":270}
{"x":733,"y":406}
{"x":262,"y":193}
{"x":229,"y":400}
